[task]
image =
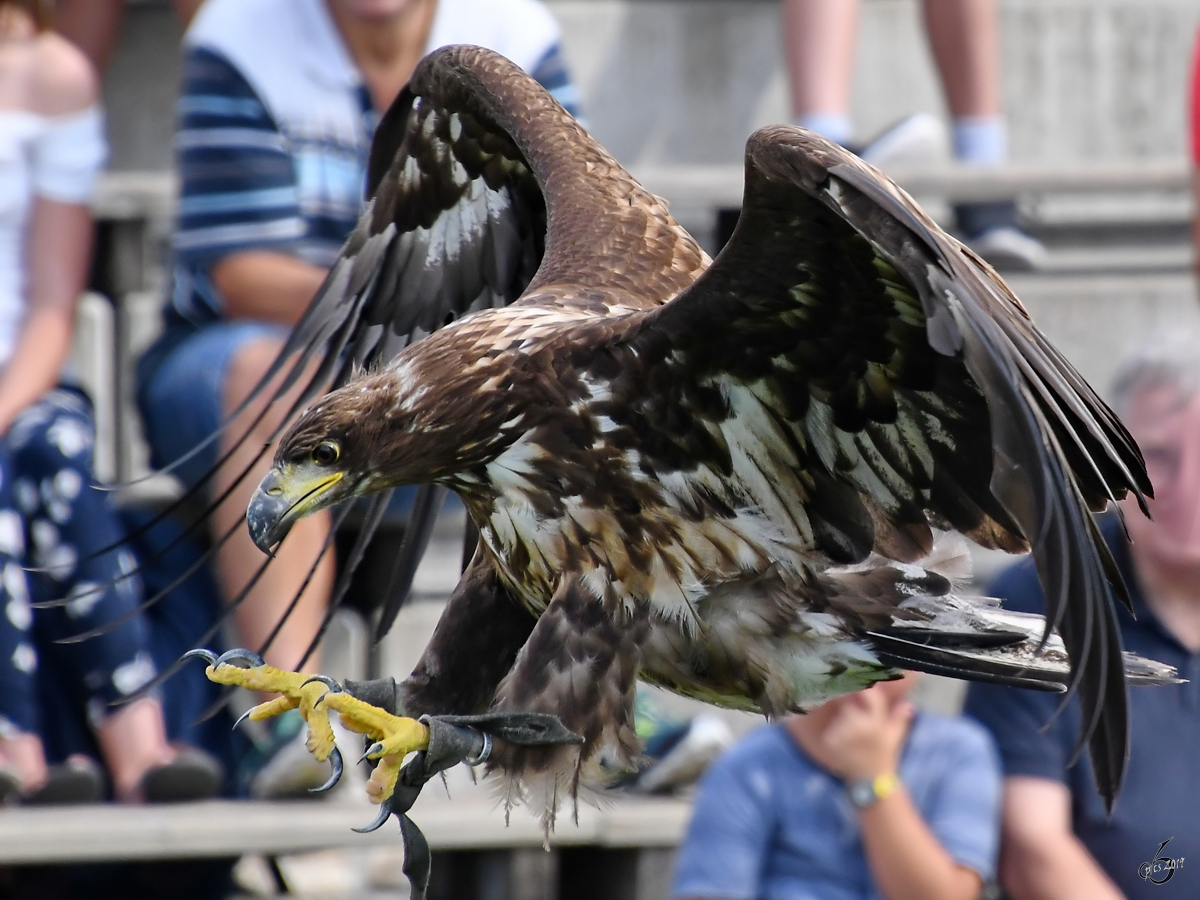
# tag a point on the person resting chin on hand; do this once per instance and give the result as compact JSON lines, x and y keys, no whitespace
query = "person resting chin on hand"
{"x":863,"y":797}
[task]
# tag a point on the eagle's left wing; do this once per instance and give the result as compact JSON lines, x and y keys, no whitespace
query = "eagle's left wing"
{"x":865,"y":377}
{"x":481,"y":186}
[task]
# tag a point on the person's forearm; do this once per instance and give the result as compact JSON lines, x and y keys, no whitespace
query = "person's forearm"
{"x":1056,"y":869}
{"x":94,"y":26}
{"x":259,"y":284}
{"x":906,"y":860}
{"x":57,"y":255}
{"x":36,"y":362}
{"x":1040,"y":856}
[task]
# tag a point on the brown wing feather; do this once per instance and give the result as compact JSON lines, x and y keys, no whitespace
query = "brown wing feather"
{"x":900,"y":367}
{"x":605,"y":231}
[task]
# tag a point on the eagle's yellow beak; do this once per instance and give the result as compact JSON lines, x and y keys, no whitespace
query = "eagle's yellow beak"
{"x":288,"y":493}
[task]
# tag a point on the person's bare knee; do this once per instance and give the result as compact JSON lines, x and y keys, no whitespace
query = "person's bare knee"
{"x":249,"y":363}
{"x":247,"y":366}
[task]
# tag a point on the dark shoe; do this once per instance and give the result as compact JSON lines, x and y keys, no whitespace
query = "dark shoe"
{"x":191,"y":775}
{"x":10,"y":787}
{"x":78,"y":780}
{"x":993,"y":230}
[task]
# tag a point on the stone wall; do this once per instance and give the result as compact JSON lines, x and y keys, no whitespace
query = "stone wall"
{"x":688,"y":80}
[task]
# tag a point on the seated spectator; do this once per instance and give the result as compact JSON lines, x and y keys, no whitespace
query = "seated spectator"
{"x":1058,"y":840}
{"x":819,"y":38}
{"x":860,"y":798}
{"x":52,"y":517}
{"x":278,"y":105}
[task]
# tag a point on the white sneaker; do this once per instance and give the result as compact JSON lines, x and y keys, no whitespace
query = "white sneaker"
{"x":1010,"y":249}
{"x":290,"y":774}
{"x":707,"y":736}
{"x":921,"y":139}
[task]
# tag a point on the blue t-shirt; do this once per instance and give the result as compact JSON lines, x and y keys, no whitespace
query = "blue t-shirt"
{"x":771,"y":824}
{"x":1160,"y":799}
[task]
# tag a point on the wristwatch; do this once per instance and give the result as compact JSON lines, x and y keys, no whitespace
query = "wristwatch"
{"x":865,"y":792}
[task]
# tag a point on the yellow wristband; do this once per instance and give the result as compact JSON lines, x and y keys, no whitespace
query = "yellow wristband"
{"x":864,"y":792}
{"x":885,"y":785}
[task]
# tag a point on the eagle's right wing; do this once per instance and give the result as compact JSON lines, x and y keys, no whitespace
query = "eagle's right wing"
{"x":862,"y":374}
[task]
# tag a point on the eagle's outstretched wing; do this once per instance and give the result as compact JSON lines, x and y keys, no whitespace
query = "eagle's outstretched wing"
{"x":869,"y":377}
{"x":473,"y":169}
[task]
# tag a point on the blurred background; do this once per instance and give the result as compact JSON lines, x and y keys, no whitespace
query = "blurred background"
{"x":1096,"y":96}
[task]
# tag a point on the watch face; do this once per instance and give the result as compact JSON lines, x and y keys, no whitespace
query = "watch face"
{"x":861,"y":793}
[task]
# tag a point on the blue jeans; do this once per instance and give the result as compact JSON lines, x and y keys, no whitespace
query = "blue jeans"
{"x":180,"y":388}
{"x":180,"y":384}
{"x":53,"y":520}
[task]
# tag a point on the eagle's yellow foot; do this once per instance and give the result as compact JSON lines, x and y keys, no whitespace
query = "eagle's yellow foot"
{"x":297,"y":690}
{"x":395,"y":737}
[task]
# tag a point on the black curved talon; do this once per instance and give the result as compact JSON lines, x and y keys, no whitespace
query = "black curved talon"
{"x":374,"y":748}
{"x":242,"y":718}
{"x":325,"y":680}
{"x":200,"y":653}
{"x":385,"y":810}
{"x":334,"y":687}
{"x":240,"y":654}
{"x":335,"y":763}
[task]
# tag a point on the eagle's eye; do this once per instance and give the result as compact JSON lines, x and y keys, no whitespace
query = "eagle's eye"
{"x":326,"y":453}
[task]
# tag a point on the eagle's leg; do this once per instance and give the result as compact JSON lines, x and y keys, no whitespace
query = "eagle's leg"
{"x":473,"y":647}
{"x":581,"y":665}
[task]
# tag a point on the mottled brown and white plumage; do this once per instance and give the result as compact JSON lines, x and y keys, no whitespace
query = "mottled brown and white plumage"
{"x":718,"y":476}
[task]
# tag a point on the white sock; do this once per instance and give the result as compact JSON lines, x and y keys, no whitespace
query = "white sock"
{"x":980,"y":140}
{"x":835,"y":126}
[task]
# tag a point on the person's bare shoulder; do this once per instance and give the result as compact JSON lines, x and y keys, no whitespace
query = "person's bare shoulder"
{"x":63,"y":80}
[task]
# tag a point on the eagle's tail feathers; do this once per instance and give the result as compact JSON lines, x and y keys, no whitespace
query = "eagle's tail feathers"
{"x":975,"y":639}
{"x":957,"y":663}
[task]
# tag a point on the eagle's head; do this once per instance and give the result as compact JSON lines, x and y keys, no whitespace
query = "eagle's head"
{"x":319,"y":462}
{"x":382,"y":430}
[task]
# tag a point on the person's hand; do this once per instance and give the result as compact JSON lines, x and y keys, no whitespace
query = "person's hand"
{"x":864,"y":738}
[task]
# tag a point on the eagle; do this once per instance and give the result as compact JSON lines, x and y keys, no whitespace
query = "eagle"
{"x":739,"y":479}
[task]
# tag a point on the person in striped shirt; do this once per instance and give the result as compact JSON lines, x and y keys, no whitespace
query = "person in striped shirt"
{"x":275,"y":118}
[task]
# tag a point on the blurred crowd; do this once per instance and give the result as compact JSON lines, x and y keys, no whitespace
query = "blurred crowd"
{"x":864,"y":797}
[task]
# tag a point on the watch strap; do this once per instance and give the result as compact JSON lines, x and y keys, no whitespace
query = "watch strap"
{"x":865,"y":792}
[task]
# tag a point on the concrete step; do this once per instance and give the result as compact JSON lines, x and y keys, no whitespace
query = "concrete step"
{"x":216,"y":828}
{"x":721,"y":185}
